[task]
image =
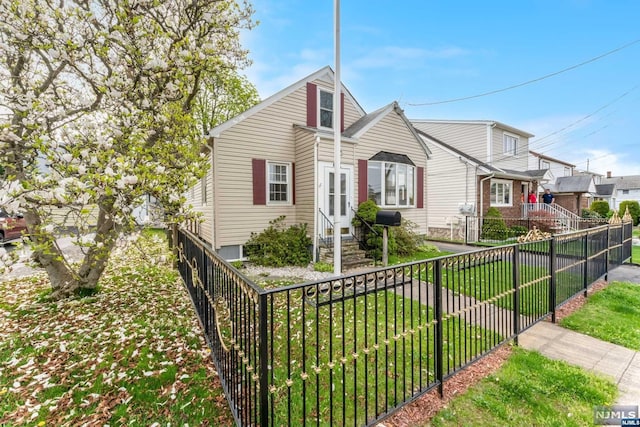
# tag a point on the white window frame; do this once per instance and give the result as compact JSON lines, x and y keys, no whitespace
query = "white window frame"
{"x":567,"y":171}
{"x":268,"y":182}
{"x":501,"y":182}
{"x":408,"y":188}
{"x":506,"y":149}
{"x":320,"y":90}
{"x":544,"y":164}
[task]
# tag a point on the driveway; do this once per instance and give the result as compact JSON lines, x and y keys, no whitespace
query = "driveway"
{"x":23,"y":268}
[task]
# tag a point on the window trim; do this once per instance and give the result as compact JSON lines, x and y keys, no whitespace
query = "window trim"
{"x":413,"y":186}
{"x":319,"y":107}
{"x":267,"y":180}
{"x":545,"y":164}
{"x":501,"y":181}
{"x":514,"y":152}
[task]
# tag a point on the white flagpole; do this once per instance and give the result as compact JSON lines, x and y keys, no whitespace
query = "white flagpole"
{"x":337,"y":230}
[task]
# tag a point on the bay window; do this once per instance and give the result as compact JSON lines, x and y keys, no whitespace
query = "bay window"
{"x":391,"y":184}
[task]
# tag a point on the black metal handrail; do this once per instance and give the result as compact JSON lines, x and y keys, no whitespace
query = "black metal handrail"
{"x":363,"y":232}
{"x":325,"y":229}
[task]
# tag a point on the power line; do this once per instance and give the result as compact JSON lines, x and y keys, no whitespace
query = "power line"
{"x":492,"y":92}
{"x":586,"y":117}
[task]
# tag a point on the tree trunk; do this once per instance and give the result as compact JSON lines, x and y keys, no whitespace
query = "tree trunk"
{"x":47,"y":255}
{"x":66,"y":282}
{"x":97,"y":257}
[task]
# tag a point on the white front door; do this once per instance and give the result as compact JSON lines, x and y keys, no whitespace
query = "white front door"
{"x":328,"y":193}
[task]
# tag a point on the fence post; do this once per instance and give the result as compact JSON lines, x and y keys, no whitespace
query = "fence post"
{"x":516,"y":292}
{"x":437,"y":279}
{"x":552,"y":281}
{"x":586,"y":263}
{"x":606,"y":257}
{"x":263,"y":362}
{"x":466,"y":230}
{"x":173,"y":244}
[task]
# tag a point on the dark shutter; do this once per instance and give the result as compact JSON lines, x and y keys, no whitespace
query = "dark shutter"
{"x":420,"y":187}
{"x":342,"y":112}
{"x":293,"y":183}
{"x":312,"y":105}
{"x":363,"y":193}
{"x":259,"y":181}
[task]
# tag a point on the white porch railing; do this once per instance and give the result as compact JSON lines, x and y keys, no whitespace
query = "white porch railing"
{"x":566,"y":220}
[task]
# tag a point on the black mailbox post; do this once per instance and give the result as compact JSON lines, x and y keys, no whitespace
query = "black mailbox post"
{"x":388,"y":218}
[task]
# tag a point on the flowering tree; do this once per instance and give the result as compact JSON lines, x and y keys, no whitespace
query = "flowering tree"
{"x":223,"y":96}
{"x":98,"y":96}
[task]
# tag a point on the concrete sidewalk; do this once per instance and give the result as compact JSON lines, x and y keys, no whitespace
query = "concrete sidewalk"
{"x":625,"y":273}
{"x":617,"y":362}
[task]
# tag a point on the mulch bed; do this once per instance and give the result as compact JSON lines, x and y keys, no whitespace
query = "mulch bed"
{"x":423,"y":409}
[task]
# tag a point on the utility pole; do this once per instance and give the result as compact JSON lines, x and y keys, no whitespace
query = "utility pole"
{"x":337,"y":193}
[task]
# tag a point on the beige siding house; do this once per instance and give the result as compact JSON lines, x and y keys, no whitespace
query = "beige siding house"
{"x":277,"y":159}
{"x":474,"y":165}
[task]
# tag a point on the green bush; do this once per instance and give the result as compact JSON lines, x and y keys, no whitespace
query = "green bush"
{"x":278,"y":246}
{"x":601,"y":207}
{"x":367,"y":211}
{"x":493,"y":226}
{"x":323,"y":267}
{"x":634,"y":209}
{"x":588,"y":214}
{"x":406,"y":238}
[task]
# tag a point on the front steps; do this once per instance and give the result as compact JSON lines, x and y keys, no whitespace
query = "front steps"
{"x":352,"y":256}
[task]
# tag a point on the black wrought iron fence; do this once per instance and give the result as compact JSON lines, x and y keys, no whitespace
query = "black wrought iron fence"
{"x":353,"y":349}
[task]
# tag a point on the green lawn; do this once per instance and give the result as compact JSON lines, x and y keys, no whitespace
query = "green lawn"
{"x":635,"y":254}
{"x":360,"y":356}
{"x":530,"y":390}
{"x":612,"y":315}
{"x":418,"y":256}
{"x":132,"y":354}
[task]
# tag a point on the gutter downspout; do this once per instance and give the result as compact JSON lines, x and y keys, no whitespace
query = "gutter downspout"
{"x":426,"y":189}
{"x":315,"y":199}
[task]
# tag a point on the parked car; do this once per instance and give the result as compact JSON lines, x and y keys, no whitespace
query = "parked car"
{"x":11,"y":227}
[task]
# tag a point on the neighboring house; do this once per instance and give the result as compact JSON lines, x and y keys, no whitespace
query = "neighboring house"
{"x":475,"y":165}
{"x":606,"y":192}
{"x":573,"y":193}
{"x":277,"y":159}
{"x":626,"y":188}
{"x":557,"y":168}
{"x":573,"y":190}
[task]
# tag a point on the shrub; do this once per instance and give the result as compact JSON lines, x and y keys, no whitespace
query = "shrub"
{"x":367,"y":211}
{"x":278,"y":246}
{"x":543,"y":221}
{"x":634,"y":209}
{"x":493,"y":226}
{"x":323,"y":267}
{"x":601,"y":207}
{"x":588,"y":214}
{"x":406,"y":238}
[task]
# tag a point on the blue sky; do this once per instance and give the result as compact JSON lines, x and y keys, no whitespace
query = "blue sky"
{"x":423,"y":51}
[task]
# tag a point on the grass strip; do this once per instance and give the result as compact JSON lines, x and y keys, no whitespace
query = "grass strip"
{"x":612,"y":315}
{"x":530,"y":389}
